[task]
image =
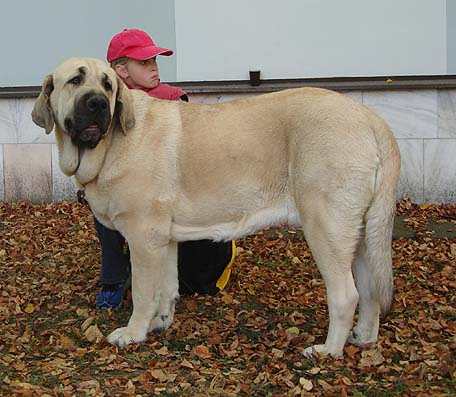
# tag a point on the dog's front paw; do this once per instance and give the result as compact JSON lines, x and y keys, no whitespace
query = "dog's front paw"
{"x":125,"y":336}
{"x":321,"y":350}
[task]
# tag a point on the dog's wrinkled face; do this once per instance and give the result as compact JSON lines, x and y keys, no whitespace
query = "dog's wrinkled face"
{"x":83,"y":97}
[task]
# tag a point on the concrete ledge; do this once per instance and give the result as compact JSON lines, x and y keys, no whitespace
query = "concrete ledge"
{"x":244,"y":86}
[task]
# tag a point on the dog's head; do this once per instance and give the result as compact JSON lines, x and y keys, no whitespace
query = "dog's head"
{"x":83,"y":97}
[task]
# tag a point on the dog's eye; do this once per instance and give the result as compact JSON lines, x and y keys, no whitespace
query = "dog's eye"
{"x":107,"y":86}
{"x":75,"y":80}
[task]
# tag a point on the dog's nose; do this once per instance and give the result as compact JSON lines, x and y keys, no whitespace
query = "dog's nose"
{"x":97,"y":103}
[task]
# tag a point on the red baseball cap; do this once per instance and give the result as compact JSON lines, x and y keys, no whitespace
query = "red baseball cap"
{"x":135,"y":44}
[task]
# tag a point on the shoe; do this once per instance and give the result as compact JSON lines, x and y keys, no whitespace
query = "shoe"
{"x":110,"y":296}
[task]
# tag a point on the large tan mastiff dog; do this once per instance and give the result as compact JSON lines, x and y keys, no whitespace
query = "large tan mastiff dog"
{"x":164,"y":171}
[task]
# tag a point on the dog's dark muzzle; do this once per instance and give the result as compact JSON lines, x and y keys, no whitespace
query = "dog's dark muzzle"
{"x":90,"y":121}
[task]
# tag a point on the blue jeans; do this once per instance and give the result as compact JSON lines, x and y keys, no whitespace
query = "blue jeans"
{"x":115,"y":262}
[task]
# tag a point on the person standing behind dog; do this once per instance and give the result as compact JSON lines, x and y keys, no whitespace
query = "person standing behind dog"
{"x":203,"y":266}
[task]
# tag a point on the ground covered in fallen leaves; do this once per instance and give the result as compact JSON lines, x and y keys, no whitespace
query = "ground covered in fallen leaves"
{"x":245,"y":341}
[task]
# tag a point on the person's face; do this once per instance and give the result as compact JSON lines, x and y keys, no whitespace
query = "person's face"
{"x":140,"y":74}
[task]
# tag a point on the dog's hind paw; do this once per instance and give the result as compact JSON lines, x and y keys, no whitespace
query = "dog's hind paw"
{"x":320,"y":350}
{"x":124,"y":336}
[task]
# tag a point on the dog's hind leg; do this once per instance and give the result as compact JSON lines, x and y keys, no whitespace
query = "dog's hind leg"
{"x":169,"y":291}
{"x":332,"y":237}
{"x":366,"y":330}
{"x":373,"y":265}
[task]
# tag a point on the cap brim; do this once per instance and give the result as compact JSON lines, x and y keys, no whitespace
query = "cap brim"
{"x":144,"y":53}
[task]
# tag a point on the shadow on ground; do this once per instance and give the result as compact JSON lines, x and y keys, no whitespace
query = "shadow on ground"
{"x":432,"y":230}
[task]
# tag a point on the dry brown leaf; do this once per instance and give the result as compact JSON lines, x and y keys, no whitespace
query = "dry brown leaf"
{"x":89,"y":384}
{"x":93,"y":334}
{"x":306,"y":384}
{"x":370,"y":358}
{"x":186,"y":364}
{"x":163,"y":351}
{"x":202,"y":352}
{"x":227,"y":299}
{"x":67,"y":343}
{"x":86,"y":324}
{"x":160,"y":375}
{"x":453,"y":250}
{"x":130,"y":388}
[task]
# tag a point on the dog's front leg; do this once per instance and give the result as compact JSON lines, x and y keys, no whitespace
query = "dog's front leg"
{"x":146,"y":266}
{"x":169,"y":291}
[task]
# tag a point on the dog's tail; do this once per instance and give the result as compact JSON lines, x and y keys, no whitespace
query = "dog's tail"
{"x":380,"y":217}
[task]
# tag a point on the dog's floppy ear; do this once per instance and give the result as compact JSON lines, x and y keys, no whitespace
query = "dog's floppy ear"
{"x":124,"y":107}
{"x":42,"y":112}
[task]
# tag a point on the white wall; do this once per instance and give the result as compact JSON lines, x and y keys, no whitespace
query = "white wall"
{"x":223,"y":40}
{"x":36,"y":35}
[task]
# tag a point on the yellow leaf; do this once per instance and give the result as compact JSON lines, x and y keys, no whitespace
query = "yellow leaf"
{"x":346,"y":381}
{"x":292,"y":332}
{"x":29,"y":308}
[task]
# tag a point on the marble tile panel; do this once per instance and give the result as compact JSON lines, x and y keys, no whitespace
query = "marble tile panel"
{"x":8,"y":131}
{"x":27,"y":170}
{"x":2,"y":178}
{"x":27,"y":130}
{"x":440,"y":170}
{"x":356,"y":95}
{"x":411,"y":177}
{"x":410,"y":114}
{"x":203,"y":98}
{"x":446,"y":113}
{"x":16,"y":125}
{"x":63,"y":187}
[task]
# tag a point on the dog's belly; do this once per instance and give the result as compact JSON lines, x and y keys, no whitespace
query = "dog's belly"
{"x":282,"y":213}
